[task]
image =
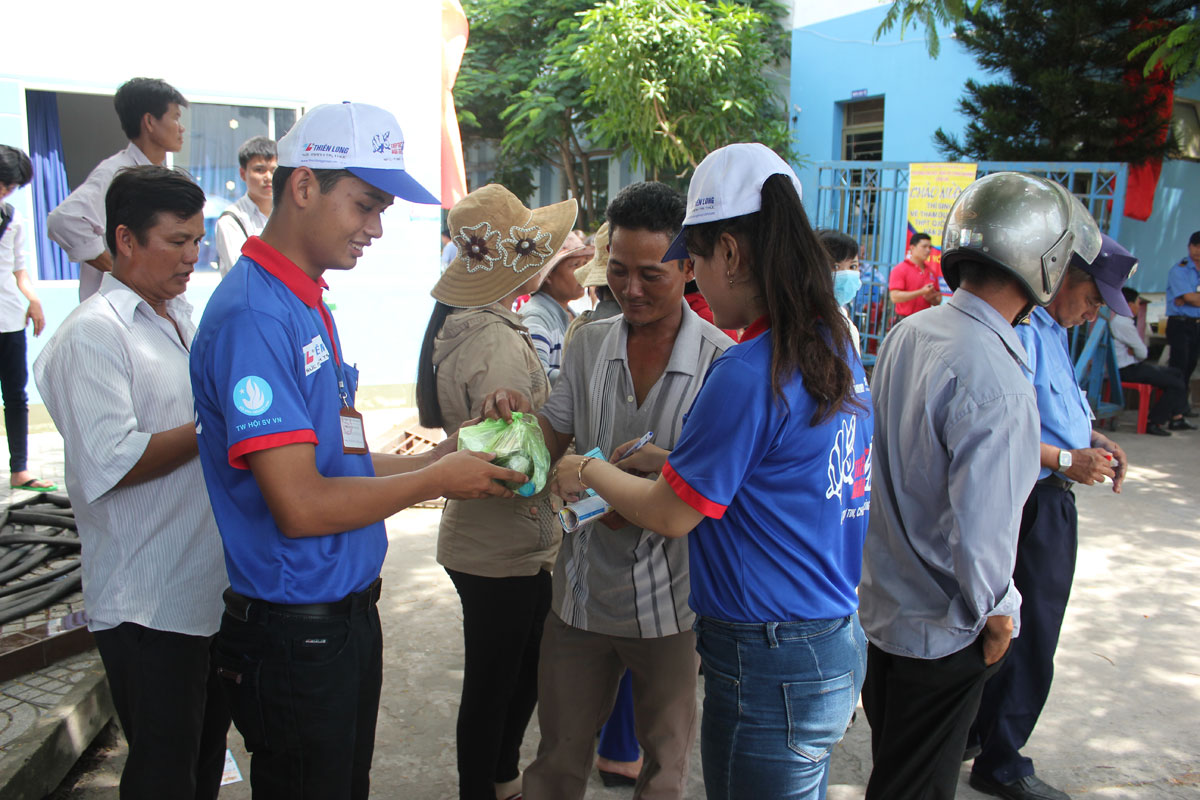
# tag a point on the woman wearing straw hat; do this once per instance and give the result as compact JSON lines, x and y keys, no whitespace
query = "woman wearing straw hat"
{"x":770,"y":476}
{"x":594,"y":276}
{"x":498,"y":552}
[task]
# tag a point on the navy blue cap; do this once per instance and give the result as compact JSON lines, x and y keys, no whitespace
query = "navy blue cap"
{"x":1110,"y":270}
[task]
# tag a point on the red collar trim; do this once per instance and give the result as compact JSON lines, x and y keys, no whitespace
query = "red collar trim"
{"x":758,"y":326}
{"x":283,"y":268}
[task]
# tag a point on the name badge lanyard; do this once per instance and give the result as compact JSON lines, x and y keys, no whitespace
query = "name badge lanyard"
{"x":354,"y":437}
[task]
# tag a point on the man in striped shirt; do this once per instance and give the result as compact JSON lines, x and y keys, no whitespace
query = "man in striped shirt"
{"x":115,"y":380}
{"x":620,"y":592}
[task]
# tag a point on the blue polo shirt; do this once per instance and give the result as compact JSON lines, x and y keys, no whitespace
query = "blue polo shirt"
{"x":1184,"y":277}
{"x":1066,"y":417}
{"x":785,"y":502}
{"x":264,"y":374}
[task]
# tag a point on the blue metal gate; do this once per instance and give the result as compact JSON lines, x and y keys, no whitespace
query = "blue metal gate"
{"x":869,"y":201}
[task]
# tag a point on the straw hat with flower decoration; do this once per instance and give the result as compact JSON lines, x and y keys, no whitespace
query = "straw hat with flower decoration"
{"x":501,"y":245}
{"x":595,"y":272}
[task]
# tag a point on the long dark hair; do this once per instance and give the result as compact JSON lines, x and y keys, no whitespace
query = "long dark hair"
{"x":793,"y":273}
{"x":429,"y":410}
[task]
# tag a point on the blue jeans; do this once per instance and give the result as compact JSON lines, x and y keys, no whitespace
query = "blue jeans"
{"x":777,"y":697}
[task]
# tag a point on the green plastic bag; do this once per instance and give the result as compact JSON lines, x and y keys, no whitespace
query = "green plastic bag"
{"x":518,"y":446}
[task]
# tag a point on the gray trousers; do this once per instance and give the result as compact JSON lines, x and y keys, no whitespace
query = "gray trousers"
{"x":577,"y":684}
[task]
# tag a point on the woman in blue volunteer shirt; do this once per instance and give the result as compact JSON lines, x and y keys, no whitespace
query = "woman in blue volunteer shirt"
{"x":772,"y":480}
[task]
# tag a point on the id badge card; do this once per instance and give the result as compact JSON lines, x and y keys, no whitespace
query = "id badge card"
{"x":354,"y":436}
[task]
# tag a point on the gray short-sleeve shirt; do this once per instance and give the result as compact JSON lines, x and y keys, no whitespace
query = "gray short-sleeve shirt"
{"x":627,"y":582}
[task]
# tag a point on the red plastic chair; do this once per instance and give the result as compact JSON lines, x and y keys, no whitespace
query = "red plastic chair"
{"x":1147,"y":394}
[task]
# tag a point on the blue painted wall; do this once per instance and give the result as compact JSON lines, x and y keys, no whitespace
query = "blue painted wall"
{"x":834,"y":59}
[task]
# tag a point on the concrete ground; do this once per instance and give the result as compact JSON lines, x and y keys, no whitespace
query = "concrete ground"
{"x":1123,"y":719}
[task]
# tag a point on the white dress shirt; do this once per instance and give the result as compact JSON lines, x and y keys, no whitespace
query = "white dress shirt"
{"x":77,"y":225}
{"x":114,"y":373}
{"x":12,"y":260}
{"x":231,"y":237}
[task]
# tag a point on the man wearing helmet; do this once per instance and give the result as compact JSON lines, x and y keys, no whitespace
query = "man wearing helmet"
{"x":1071,"y":452}
{"x":956,"y":455}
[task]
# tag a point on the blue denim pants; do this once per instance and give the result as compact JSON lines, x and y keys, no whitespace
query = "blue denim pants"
{"x":777,"y":697}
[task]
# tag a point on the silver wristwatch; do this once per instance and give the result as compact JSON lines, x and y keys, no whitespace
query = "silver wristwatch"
{"x":1064,"y":459}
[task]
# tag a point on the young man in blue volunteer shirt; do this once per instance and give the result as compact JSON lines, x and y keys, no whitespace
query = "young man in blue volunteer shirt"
{"x":298,"y":499}
{"x":1071,"y":452}
{"x":1183,"y":315}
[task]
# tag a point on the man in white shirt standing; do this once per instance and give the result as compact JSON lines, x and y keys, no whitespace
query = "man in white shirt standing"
{"x":15,"y":315}
{"x":115,"y":380}
{"x":150,"y":111}
{"x":257,"y":158}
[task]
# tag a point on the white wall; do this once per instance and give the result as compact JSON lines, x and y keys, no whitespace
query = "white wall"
{"x":303,"y":53}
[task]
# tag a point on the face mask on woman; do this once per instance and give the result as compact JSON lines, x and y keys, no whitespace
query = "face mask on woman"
{"x":846,"y":283}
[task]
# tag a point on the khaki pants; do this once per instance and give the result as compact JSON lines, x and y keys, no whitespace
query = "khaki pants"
{"x":577,"y":685}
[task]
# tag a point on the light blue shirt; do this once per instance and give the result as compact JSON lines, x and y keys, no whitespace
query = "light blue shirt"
{"x":954,"y":458}
{"x":1066,"y":417}
{"x":1184,"y":277}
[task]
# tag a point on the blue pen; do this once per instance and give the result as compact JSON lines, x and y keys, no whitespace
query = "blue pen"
{"x":639,"y":444}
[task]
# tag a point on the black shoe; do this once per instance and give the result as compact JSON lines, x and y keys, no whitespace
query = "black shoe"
{"x":1191,"y":413}
{"x":1031,"y":787}
{"x":1156,"y":430}
{"x":611,"y":779}
{"x":1181,"y":425}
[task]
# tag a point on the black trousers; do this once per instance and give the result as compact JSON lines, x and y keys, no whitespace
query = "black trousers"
{"x":14,"y":374}
{"x":920,"y":711}
{"x":1013,"y":700}
{"x":503,"y":620}
{"x":304,"y":692}
{"x":171,"y":709}
{"x":1174,"y":399}
{"x":1183,"y":336}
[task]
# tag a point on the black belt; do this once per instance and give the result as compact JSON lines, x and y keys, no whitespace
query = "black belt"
{"x":1056,"y":482}
{"x":1183,"y":318}
{"x":244,"y":608}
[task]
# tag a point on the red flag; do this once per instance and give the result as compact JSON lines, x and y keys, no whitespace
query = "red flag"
{"x":1143,"y":177}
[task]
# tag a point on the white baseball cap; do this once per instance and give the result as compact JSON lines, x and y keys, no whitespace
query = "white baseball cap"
{"x":728,"y":183}
{"x":365,"y":140}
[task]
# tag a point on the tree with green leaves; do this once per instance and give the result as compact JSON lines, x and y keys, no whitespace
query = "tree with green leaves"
{"x":1176,"y":51}
{"x":504,"y":69}
{"x":672,"y":80}
{"x":1063,"y":91}
{"x":529,"y":82}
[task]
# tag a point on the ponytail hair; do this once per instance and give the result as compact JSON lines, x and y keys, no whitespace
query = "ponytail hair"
{"x":793,"y":273}
{"x":429,"y":410}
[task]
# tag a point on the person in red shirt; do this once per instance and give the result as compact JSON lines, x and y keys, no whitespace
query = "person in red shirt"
{"x":913,"y":285}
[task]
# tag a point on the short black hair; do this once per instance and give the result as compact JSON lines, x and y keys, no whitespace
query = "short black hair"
{"x":15,"y":166}
{"x":982,"y":275}
{"x":917,"y":238}
{"x":647,"y":206}
{"x":256,"y":146}
{"x":137,"y":195}
{"x":840,"y":246}
{"x":1194,"y":239}
{"x":326,"y":179}
{"x":138,"y":97}
{"x":1130,"y":293}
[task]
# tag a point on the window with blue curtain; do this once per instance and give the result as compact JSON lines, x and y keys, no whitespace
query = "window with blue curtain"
{"x":49,"y":181}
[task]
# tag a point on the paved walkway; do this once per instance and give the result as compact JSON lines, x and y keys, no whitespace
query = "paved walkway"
{"x":1121,"y":720}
